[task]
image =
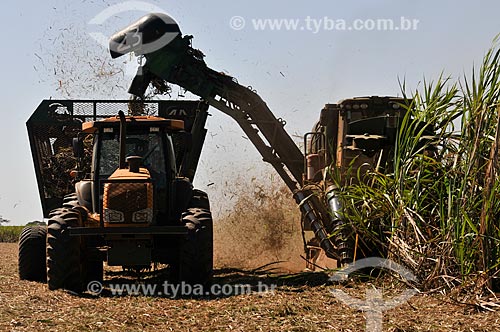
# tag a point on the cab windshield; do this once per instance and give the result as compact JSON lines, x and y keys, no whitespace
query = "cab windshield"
{"x":146,"y":145}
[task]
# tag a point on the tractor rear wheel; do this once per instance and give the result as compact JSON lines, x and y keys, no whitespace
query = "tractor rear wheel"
{"x":32,"y":256}
{"x":195,"y":264}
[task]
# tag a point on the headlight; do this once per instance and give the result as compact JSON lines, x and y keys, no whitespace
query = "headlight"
{"x":145,"y":215}
{"x":113,"y":216}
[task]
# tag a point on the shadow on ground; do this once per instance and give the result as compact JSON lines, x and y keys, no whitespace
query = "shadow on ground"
{"x":226,"y":282}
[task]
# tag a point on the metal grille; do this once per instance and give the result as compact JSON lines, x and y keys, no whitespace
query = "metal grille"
{"x":52,"y":151}
{"x":129,"y":202}
{"x":94,"y":110}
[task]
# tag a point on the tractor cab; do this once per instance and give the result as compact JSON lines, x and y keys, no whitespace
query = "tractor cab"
{"x":133,"y":169}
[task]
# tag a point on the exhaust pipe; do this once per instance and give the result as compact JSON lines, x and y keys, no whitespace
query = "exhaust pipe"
{"x":123,"y":135}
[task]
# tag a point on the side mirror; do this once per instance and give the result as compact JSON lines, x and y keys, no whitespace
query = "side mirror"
{"x":78,"y":150}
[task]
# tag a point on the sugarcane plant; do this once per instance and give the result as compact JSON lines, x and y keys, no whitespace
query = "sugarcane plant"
{"x":436,"y":206}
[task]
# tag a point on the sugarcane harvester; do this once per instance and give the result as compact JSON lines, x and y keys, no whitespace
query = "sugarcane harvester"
{"x":169,"y":57}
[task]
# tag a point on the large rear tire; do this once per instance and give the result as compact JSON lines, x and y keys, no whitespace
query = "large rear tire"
{"x":31,"y":259}
{"x":195,"y":265}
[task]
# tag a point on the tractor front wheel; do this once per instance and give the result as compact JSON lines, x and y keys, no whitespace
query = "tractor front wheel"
{"x":64,"y":268}
{"x":195,"y":264}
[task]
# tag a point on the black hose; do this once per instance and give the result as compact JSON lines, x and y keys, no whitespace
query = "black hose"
{"x":341,"y":235}
{"x":310,"y":211}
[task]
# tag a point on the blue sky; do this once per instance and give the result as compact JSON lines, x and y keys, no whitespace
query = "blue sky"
{"x":295,"y":72}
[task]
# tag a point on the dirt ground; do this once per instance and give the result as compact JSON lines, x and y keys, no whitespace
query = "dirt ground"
{"x":301,"y":302}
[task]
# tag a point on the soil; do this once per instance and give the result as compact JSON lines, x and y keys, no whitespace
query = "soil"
{"x":301,"y":302}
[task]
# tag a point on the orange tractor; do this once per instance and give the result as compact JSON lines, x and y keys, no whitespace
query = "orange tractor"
{"x":130,"y":201}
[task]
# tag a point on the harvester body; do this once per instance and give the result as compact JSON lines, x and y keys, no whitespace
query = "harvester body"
{"x":349,"y":135}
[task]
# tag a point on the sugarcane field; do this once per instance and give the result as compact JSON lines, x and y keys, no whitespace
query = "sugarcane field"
{"x":263,"y":166}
